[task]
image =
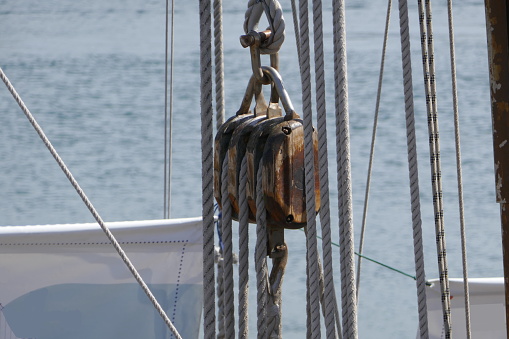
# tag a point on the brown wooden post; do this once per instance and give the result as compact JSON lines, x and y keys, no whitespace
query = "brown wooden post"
{"x":498,"y":53}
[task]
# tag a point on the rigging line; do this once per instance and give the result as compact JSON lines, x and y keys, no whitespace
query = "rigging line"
{"x":206,"y":117}
{"x":413,"y":171}
{"x":219,"y":61}
{"x":329,"y":295}
{"x":458,"y":168}
{"x":377,"y":262}
{"x":226,"y":230}
{"x":168,"y":116}
{"x":89,"y":205}
{"x":261,"y":258}
{"x":243,"y":253}
{"x":427,"y":46}
{"x":165,"y":198}
{"x":344,"y":178}
{"x":373,"y":139}
{"x":309,"y":172}
{"x":170,"y":136}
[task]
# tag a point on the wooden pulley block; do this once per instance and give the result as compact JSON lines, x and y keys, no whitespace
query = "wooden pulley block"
{"x":225,"y":132}
{"x":254,"y":151}
{"x":279,"y":144}
{"x":283,"y":175}
{"x":238,"y":146}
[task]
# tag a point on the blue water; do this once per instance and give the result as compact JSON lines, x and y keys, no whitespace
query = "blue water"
{"x":92,"y":73}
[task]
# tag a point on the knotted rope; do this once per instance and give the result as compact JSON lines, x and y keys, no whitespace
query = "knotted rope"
{"x":413,"y":170}
{"x":345,"y":210}
{"x":428,"y":63}
{"x":89,"y":205}
{"x":207,"y":169}
{"x":274,"y":14}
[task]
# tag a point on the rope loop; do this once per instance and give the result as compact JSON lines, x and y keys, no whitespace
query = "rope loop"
{"x":274,"y":14}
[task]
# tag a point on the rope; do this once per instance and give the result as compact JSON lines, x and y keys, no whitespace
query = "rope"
{"x":89,"y":205}
{"x":274,"y":14}
{"x":373,"y":139}
{"x":425,"y":21}
{"x":274,"y":308}
{"x":459,"y":171}
{"x":379,"y":263}
{"x":226,"y":227}
{"x":243,"y":252}
{"x":349,"y":304}
{"x":168,"y":117}
{"x":218,"y":61}
{"x":413,"y":170}
{"x":260,"y":258}
{"x":329,"y":296}
{"x":207,"y":169}
{"x":309,"y":175}
{"x":296,"y":27}
{"x":220,"y":291}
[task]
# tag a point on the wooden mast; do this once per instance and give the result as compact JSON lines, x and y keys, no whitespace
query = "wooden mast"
{"x":497,"y":18}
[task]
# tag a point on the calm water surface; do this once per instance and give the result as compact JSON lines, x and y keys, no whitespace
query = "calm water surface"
{"x":93,"y":75}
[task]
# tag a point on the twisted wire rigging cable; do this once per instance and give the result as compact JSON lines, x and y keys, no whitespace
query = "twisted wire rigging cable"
{"x":89,"y":205}
{"x":372,"y":150}
{"x":459,"y":171}
{"x":168,"y":116}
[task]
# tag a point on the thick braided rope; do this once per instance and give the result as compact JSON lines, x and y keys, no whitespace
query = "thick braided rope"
{"x":458,"y":169}
{"x":425,"y":21}
{"x":207,"y":169}
{"x":413,"y":170}
{"x":219,"y":61}
{"x":372,"y":150}
{"x":274,"y":13}
{"x":323,"y":164}
{"x":243,"y":253}
{"x":261,"y":258}
{"x":220,"y":293}
{"x":226,"y":226}
{"x":88,"y":204}
{"x":309,"y":175}
{"x":349,"y":304}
